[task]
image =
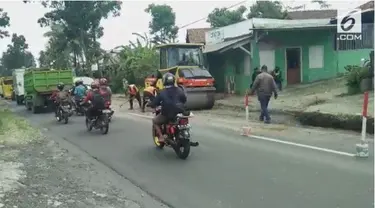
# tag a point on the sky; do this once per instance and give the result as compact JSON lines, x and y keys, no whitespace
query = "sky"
{"x":118,"y":30}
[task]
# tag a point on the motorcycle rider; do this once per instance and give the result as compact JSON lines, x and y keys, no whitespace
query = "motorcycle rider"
{"x":103,"y":85}
{"x":60,"y":96}
{"x":171,"y":99}
{"x":133,"y":92}
{"x":150,"y":93}
{"x":79,"y":92}
{"x":98,"y":98}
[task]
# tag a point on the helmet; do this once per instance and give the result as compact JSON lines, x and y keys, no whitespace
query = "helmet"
{"x":95,"y":84}
{"x":168,"y":79}
{"x":103,"y":81}
{"x":60,"y":86}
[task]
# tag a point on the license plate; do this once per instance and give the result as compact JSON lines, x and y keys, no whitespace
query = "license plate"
{"x":106,"y":111}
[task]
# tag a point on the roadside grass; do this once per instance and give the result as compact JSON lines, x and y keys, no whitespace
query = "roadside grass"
{"x":15,"y":130}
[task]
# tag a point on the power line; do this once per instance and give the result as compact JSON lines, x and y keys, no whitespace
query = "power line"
{"x":204,"y":18}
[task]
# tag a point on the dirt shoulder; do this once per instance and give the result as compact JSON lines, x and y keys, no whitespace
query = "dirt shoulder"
{"x":323,"y":104}
{"x":36,"y":171}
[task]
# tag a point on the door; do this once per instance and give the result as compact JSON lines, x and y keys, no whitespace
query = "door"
{"x":267,"y":57}
{"x":293,"y":65}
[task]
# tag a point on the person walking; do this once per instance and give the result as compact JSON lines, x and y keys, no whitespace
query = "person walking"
{"x":277,"y":77}
{"x":264,"y":85}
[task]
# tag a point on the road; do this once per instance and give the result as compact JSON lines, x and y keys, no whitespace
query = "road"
{"x":226,"y":170}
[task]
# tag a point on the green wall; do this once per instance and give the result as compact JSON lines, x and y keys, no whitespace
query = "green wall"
{"x":351,"y":57}
{"x":224,"y":64}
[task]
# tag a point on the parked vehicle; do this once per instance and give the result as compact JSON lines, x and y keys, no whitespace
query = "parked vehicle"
{"x":40,"y":84}
{"x":177,"y":134}
{"x":6,"y":87}
{"x":186,"y":62}
{"x":18,"y":85}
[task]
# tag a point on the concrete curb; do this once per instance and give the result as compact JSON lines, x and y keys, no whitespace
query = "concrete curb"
{"x":318,"y":119}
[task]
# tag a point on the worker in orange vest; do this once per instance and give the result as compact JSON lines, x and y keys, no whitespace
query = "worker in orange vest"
{"x":133,"y":92}
{"x":149,"y":94}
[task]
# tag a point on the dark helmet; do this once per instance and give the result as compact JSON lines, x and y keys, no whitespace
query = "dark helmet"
{"x":60,"y":86}
{"x":168,"y":79}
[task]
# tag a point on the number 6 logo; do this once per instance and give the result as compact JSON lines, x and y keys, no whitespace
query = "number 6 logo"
{"x":349,"y":22}
{"x":345,"y":20}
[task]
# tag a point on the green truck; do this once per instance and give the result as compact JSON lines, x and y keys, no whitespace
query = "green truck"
{"x":40,"y":84}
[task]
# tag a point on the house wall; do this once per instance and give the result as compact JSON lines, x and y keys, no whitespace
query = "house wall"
{"x":231,"y":63}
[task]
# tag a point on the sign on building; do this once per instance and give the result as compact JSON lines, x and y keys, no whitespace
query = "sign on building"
{"x":215,"y":36}
{"x":349,"y":24}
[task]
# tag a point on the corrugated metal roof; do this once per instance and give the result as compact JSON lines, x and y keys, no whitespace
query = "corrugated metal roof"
{"x":264,"y":23}
{"x":219,"y":46}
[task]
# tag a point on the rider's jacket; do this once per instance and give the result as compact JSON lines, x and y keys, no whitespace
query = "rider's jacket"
{"x":79,"y":92}
{"x":171,"y":100}
{"x":90,"y":96}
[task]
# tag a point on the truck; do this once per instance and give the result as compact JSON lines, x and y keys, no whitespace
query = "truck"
{"x":6,"y":87}
{"x":40,"y":84}
{"x":19,"y":91}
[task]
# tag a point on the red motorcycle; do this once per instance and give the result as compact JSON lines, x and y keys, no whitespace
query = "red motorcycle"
{"x":176,"y":134}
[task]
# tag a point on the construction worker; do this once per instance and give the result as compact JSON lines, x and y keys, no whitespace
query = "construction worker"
{"x":149,"y":94}
{"x":133,"y":92}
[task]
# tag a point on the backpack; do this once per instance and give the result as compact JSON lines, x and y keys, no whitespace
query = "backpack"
{"x":98,"y":101}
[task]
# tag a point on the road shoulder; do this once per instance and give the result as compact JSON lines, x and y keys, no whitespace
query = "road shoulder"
{"x":39,"y":170}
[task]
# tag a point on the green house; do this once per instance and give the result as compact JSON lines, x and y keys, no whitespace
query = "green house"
{"x":305,"y":50}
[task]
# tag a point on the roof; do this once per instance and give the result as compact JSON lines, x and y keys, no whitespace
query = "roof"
{"x":265,"y":23}
{"x":367,"y":5}
{"x":196,"y":35}
{"x":226,"y":44}
{"x":178,"y":44}
{"x":312,"y":14}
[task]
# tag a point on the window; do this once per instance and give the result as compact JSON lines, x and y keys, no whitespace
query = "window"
{"x":163,"y":58}
{"x":8,"y":82}
{"x":316,"y":57}
{"x":195,"y":73}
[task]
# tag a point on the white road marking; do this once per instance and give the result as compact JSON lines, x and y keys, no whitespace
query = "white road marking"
{"x":282,"y":142}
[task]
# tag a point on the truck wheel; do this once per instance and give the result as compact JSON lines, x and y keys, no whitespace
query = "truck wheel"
{"x":35,"y":109}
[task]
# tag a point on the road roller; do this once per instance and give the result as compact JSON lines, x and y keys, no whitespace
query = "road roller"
{"x":185,"y":61}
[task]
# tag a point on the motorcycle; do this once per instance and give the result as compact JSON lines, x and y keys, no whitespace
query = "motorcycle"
{"x":64,"y":112}
{"x":177,"y":134}
{"x":100,"y":122}
{"x":80,"y":109}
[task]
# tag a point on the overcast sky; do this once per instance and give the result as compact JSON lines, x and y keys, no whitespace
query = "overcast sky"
{"x":118,"y":31}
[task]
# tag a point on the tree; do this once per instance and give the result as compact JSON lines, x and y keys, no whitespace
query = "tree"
{"x":322,"y":4}
{"x":4,"y":22}
{"x":163,"y":24}
{"x":16,"y":55}
{"x":80,"y":23}
{"x":267,"y":9}
{"x":221,"y":17}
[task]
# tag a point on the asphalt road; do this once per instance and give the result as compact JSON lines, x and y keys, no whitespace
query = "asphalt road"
{"x":225,"y":170}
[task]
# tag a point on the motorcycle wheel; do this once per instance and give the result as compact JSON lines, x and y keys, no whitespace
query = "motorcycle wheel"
{"x":105,"y":128}
{"x":88,"y":125}
{"x":183,"y":149}
{"x":66,"y":119}
{"x":156,"y":139}
{"x":59,"y":115}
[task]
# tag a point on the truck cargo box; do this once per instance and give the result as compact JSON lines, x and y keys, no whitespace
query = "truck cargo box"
{"x":45,"y":82}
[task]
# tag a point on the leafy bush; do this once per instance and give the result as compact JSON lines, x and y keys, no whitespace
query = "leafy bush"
{"x":354,"y":76}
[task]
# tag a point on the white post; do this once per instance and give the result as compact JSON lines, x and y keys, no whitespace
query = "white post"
{"x":362,"y":147}
{"x":247,"y":113}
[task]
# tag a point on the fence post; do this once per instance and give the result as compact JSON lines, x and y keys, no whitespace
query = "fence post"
{"x":362,"y":147}
{"x":246,"y":129}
